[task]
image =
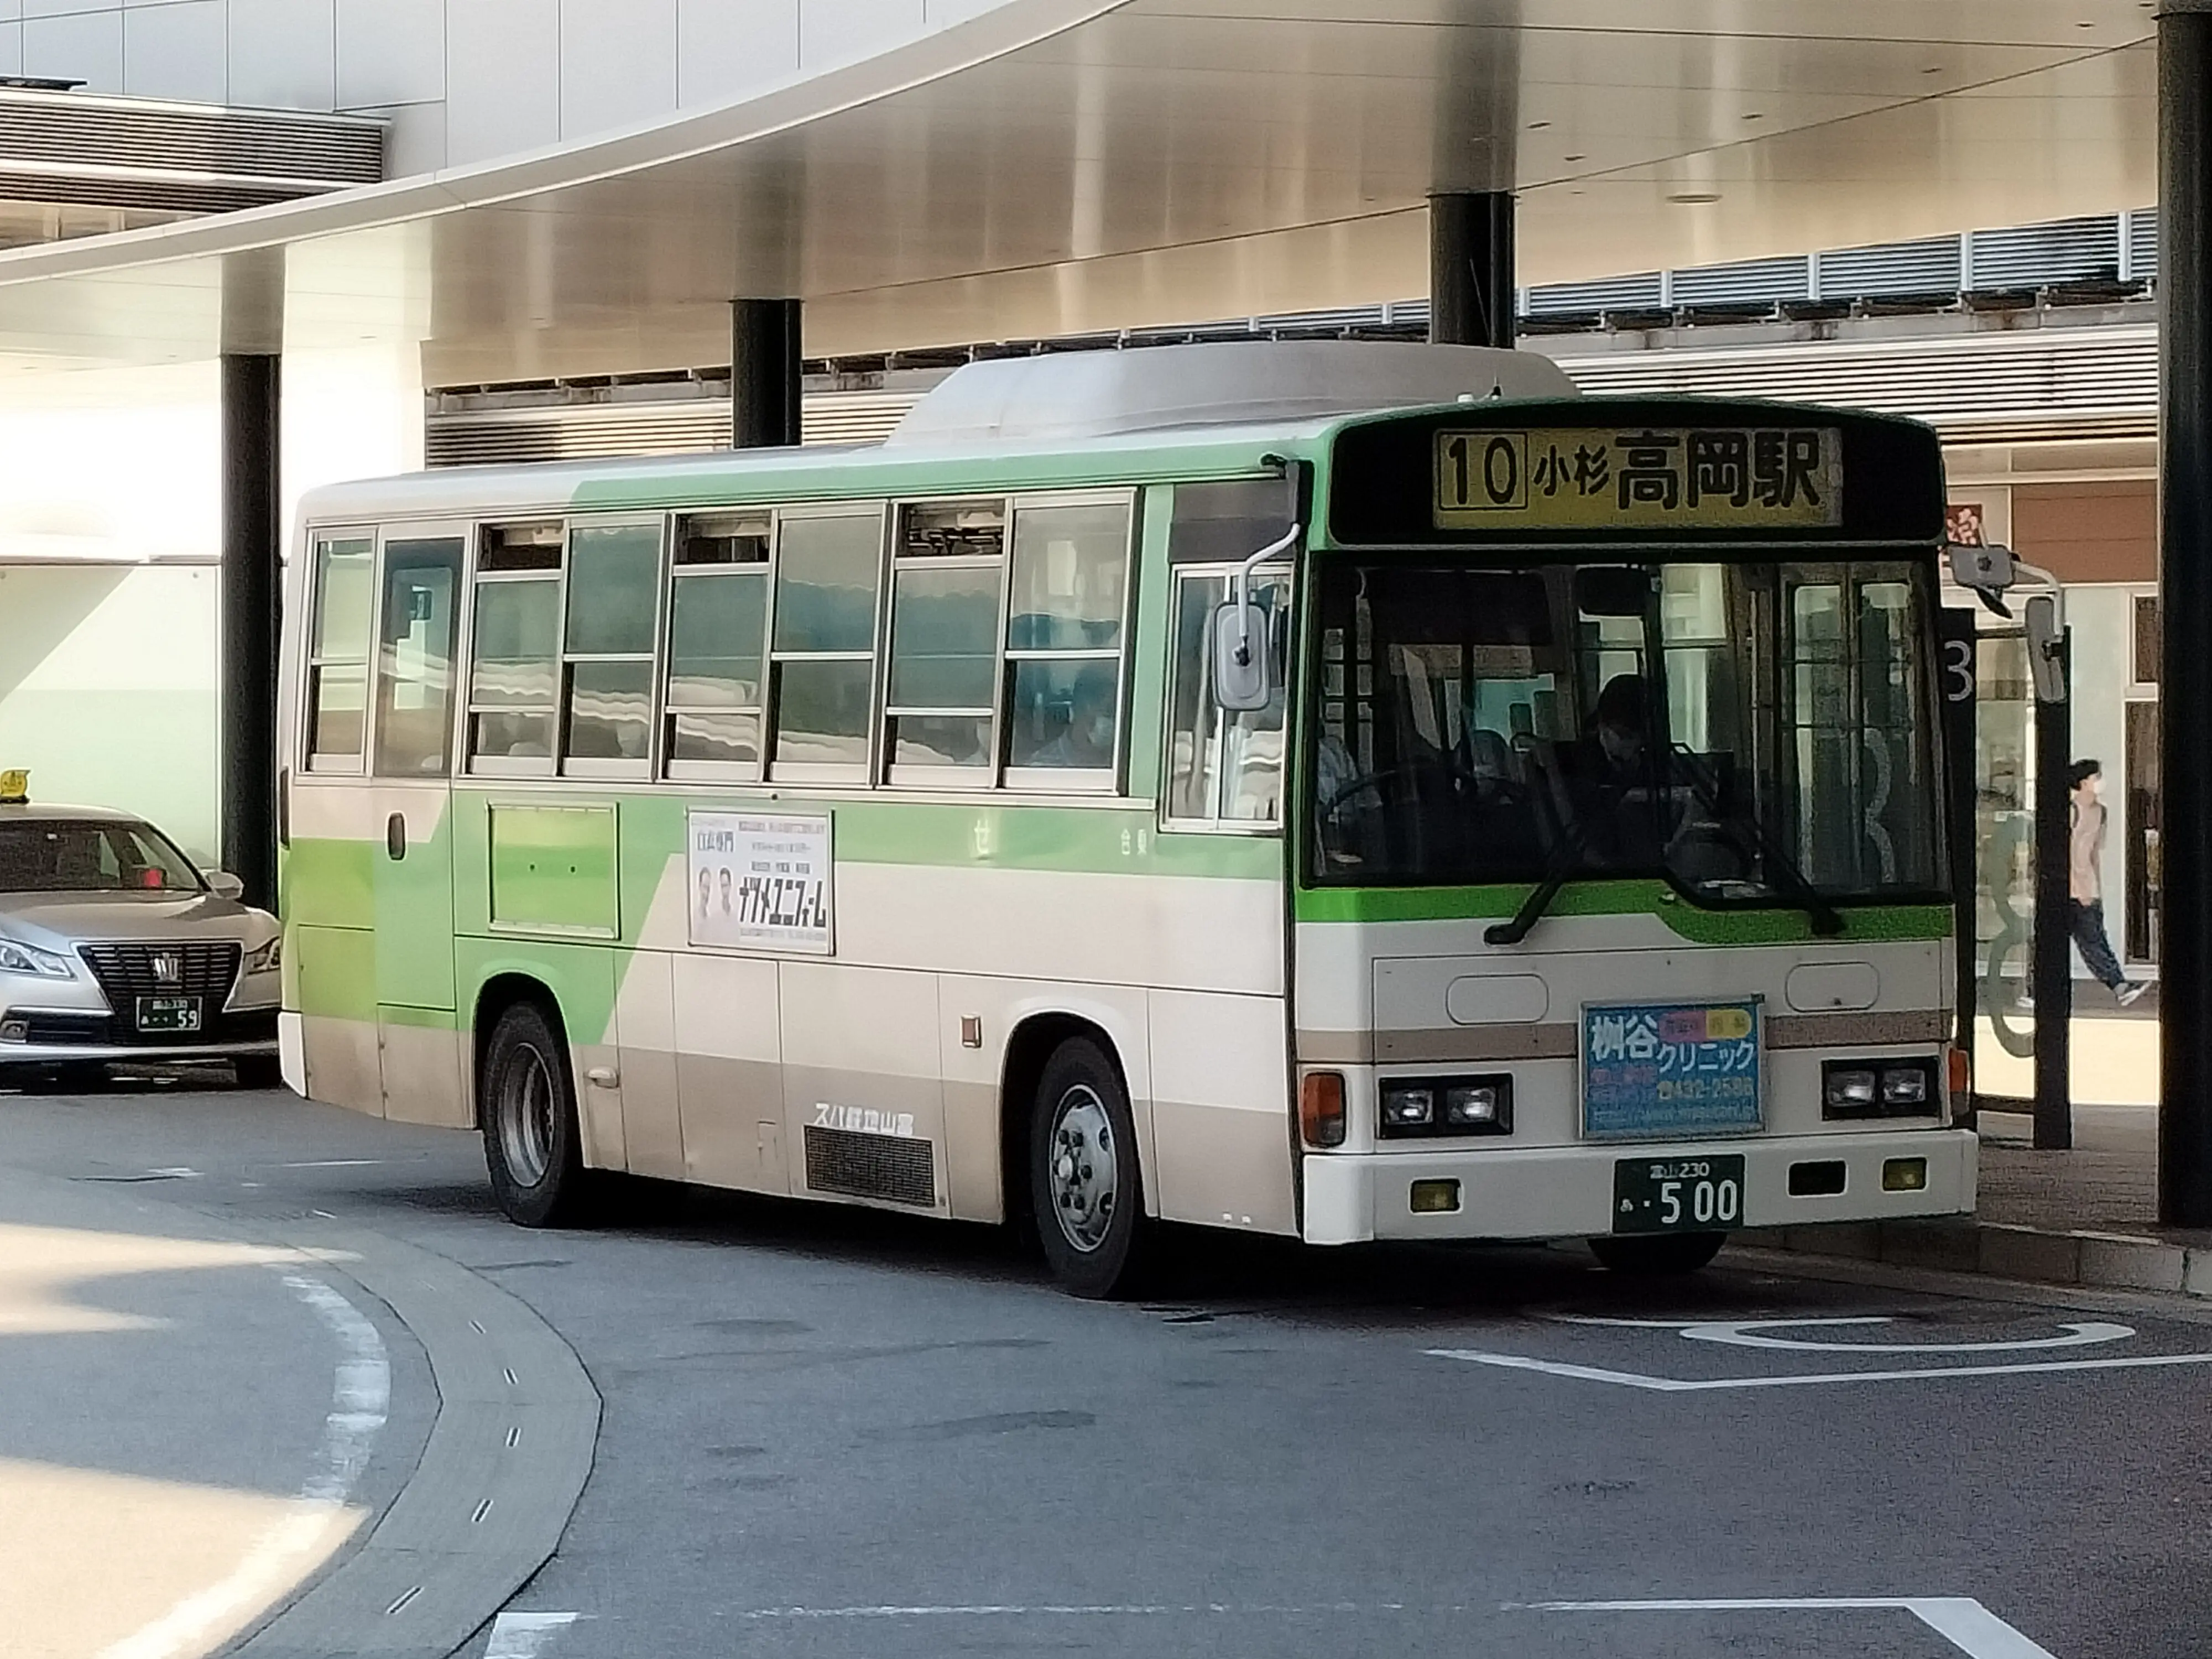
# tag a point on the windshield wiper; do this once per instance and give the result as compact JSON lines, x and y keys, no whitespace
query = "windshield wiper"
{"x":1565,"y":865}
{"x":1826,"y":920}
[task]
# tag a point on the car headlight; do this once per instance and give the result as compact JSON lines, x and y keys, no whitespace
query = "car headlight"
{"x":266,"y":958}
{"x":16,"y":958}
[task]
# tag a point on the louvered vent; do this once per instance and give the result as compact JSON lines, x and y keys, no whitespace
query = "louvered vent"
{"x":1747,"y":282}
{"x":2143,"y":244}
{"x":1641,"y":292}
{"x":896,"y":1168}
{"x":1928,"y":266}
{"x":120,"y":152}
{"x":2059,"y":250}
{"x":515,"y":437}
{"x":1996,"y":388}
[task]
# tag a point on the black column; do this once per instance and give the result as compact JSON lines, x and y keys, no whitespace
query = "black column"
{"x":2051,"y":950}
{"x":2184,"y":281}
{"x":252,"y":539}
{"x":763,"y":373}
{"x":1471,"y":268}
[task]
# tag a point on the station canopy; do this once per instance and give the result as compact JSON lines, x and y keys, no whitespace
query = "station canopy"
{"x":1065,"y":166}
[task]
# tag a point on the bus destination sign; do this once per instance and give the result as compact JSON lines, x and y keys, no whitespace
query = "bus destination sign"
{"x":1649,"y":478}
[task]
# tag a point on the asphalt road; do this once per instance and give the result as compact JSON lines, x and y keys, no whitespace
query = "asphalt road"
{"x":831,"y":1433}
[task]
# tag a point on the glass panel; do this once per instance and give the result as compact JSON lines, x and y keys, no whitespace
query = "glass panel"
{"x":69,"y":855}
{"x":941,"y":740}
{"x":1481,"y":726}
{"x":340,"y":709}
{"x":1070,"y":578}
{"x":822,"y":712}
{"x":614,"y":588}
{"x":610,"y":710}
{"x":1062,"y":714}
{"x":826,"y":584}
{"x":414,"y":683}
{"x":518,"y":641}
{"x":715,"y":640}
{"x":1205,"y":743}
{"x":2146,"y":807}
{"x":945,"y":637}
{"x":2147,"y":638}
{"x":952,"y":529}
{"x":511,"y":736}
{"x":345,"y":591}
{"x":520,"y":547}
{"x":724,"y":739}
{"x":723,"y":538}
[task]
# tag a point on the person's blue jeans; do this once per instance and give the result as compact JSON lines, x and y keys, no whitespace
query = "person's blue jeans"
{"x":2086,"y":923}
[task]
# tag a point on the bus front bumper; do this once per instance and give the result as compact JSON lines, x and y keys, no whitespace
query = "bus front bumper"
{"x":1567,"y":1192}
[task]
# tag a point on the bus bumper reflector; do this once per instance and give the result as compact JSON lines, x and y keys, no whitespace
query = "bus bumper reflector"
{"x":1434,"y":1197}
{"x":1905,"y":1175}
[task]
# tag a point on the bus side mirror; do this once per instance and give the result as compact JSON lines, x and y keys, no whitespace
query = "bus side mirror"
{"x":1986,"y":572}
{"x":1240,"y":639}
{"x":2046,"y":635}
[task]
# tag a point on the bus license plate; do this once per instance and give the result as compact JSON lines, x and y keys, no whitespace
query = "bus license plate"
{"x":168,"y":1013}
{"x":1677,"y":1194}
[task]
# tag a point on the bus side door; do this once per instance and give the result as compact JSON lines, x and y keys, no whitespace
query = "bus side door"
{"x":418,"y":631}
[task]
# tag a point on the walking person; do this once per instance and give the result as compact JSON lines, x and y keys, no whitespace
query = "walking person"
{"x":2085,"y":902}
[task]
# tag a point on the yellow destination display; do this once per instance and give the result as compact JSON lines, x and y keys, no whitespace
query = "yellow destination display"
{"x":1653,"y":478}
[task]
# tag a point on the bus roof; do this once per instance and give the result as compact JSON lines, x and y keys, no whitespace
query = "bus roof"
{"x":1055,"y":421}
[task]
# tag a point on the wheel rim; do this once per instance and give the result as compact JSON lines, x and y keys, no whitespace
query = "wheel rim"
{"x":1081,"y":1173}
{"x":525,"y":1117}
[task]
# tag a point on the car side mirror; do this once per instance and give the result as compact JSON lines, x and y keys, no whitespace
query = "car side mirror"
{"x":223,"y":884}
{"x":1240,"y":641}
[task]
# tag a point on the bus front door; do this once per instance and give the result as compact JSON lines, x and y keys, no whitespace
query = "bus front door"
{"x":418,"y":1043}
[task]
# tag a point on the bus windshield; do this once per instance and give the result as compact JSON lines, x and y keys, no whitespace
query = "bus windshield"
{"x":1751,"y":732}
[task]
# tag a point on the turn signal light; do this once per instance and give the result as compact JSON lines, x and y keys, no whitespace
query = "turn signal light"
{"x":1320,"y":1108}
{"x":1961,"y":1075}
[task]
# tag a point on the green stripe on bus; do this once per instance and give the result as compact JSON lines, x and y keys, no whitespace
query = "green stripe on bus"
{"x":1616,"y":898}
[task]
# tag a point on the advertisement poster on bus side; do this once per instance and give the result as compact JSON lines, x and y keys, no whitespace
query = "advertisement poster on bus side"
{"x":760,"y":881}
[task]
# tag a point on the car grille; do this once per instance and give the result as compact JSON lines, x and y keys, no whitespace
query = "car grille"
{"x":125,"y":972}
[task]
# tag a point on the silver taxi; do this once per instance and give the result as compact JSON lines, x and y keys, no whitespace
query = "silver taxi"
{"x":114,"y":947}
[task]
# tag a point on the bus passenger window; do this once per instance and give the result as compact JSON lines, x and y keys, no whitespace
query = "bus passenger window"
{"x":338,"y":664}
{"x":948,"y":577}
{"x":614,"y":593}
{"x":515,"y":653}
{"x":1070,"y":592}
{"x":414,"y":686}
{"x":826,"y":576}
{"x":717,"y":645}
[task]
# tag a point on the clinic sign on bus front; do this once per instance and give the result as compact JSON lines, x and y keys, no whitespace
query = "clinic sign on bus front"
{"x":1727,"y":477}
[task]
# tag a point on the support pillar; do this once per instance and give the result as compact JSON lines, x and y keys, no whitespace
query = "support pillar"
{"x":253,"y":325}
{"x":2184,"y":281}
{"x":765,"y":373}
{"x":2051,"y":949}
{"x":1471,"y":296}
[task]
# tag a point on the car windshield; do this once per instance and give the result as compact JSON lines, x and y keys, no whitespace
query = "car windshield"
{"x":1751,"y":731}
{"x":90,"y":855}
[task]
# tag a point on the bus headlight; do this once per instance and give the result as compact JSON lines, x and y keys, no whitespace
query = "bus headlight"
{"x":1415,"y":1106}
{"x":1878,"y":1088}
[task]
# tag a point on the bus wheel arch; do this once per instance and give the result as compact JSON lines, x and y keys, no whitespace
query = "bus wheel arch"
{"x":527,"y":1105}
{"x":1029,"y":1047}
{"x":498,"y":994}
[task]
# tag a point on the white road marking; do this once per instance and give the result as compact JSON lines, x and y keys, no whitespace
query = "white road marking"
{"x":334,"y":1163}
{"x":1080,"y":1609}
{"x":524,"y":1634}
{"x":1739,"y":1333}
{"x":361,"y":1391}
{"x":1965,"y":1624}
{"x":177,"y":1172}
{"x":1708,"y":1384}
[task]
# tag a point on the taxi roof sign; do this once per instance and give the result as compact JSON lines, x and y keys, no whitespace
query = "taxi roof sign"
{"x":15,"y":789}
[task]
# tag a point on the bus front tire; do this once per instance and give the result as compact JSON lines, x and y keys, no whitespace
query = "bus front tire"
{"x":527,"y":1105}
{"x":1085,"y":1189}
{"x":1657,"y":1254}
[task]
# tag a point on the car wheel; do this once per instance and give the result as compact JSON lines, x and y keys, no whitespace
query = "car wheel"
{"x":258,"y":1072}
{"x":1660,"y":1255}
{"x":526,"y":1101}
{"x":1085,"y":1189}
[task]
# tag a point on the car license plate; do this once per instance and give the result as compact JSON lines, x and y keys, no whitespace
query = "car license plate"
{"x":168,"y":1013}
{"x":1677,"y":1194}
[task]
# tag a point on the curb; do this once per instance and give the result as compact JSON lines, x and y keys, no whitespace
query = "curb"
{"x":2035,"y":1255}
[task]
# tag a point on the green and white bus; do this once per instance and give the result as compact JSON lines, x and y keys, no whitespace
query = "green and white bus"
{"x":1347,"y":792}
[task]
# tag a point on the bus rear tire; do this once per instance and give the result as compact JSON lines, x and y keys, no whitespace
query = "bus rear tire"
{"x":1086,"y":1190}
{"x":1657,"y":1255}
{"x":526,"y":1101}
